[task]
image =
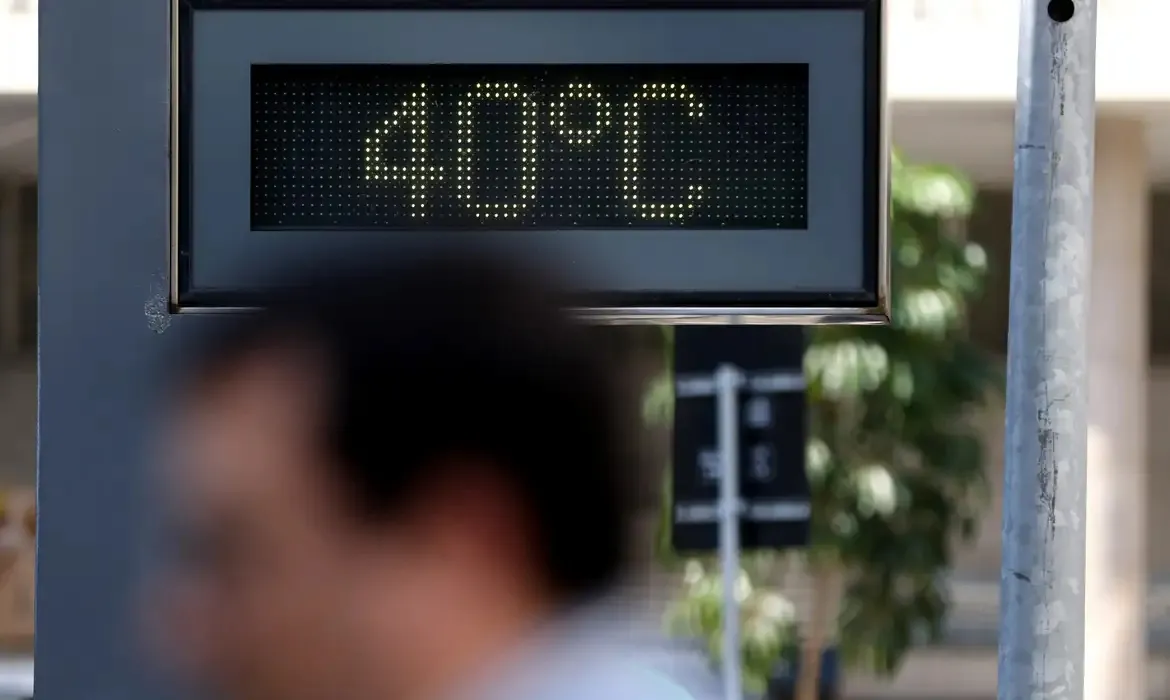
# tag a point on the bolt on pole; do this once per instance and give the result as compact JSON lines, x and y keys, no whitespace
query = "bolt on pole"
{"x":1042,"y":576}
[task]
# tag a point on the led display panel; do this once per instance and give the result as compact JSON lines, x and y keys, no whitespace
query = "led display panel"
{"x":531,"y":147}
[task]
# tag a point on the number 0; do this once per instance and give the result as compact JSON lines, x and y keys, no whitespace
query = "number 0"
{"x":465,"y":149}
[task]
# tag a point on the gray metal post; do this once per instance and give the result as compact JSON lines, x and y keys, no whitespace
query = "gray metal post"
{"x":1042,"y":577}
{"x":727,"y":382}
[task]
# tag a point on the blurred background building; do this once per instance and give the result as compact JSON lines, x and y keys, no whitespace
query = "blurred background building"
{"x":18,"y":294}
{"x":952,"y":70}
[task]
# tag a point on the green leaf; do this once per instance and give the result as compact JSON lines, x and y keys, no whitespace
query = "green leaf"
{"x":658,"y":401}
{"x":934,"y":191}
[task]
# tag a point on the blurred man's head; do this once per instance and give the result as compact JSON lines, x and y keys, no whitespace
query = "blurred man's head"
{"x":387,"y":477}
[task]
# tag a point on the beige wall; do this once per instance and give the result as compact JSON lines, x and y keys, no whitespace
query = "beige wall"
{"x":990,"y":226}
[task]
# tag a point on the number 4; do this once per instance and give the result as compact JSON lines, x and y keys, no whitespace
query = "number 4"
{"x":419,"y":174}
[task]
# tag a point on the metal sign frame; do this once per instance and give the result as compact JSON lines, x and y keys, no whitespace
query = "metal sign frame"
{"x":869,"y":306}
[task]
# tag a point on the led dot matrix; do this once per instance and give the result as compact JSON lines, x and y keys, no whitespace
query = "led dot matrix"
{"x":631,"y":159}
{"x":420,"y":173}
{"x":465,"y":138}
{"x":579,"y":135}
{"x":545,"y":147}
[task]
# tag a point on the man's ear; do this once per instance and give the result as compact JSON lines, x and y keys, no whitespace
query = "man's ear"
{"x":469,"y":511}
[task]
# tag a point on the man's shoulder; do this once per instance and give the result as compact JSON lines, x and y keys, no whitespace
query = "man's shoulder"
{"x":634,"y":681}
{"x":640,"y":676}
{"x":608,"y":653}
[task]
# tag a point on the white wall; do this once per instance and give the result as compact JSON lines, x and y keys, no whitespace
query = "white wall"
{"x":965,"y":50}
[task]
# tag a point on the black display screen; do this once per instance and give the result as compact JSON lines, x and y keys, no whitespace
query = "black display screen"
{"x":529,"y":147}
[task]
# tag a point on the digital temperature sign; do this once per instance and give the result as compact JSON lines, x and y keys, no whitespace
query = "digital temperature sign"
{"x":681,"y":160}
{"x":543,"y":147}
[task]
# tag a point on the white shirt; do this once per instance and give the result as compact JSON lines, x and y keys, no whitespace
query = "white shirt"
{"x":599,"y":653}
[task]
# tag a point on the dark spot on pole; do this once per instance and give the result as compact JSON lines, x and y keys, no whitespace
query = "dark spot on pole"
{"x":1047,"y":475}
{"x":1061,"y":11}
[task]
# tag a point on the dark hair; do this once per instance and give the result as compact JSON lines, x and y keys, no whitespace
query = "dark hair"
{"x":459,"y":355}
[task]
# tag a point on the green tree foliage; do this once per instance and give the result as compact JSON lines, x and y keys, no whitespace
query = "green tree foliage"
{"x":895,"y":464}
{"x":768,"y":627}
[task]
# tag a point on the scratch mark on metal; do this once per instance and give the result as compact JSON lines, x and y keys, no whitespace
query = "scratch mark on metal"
{"x":1047,"y":474}
{"x":158,"y":315}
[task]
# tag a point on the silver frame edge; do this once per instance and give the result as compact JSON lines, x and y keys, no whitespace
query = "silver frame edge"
{"x":684,"y":315}
{"x":883,"y":310}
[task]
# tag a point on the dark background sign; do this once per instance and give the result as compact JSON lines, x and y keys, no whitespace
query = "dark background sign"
{"x":773,"y":483}
{"x":541,"y":146}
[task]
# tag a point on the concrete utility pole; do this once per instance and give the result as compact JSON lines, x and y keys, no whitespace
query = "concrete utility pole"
{"x":1042,"y":577}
